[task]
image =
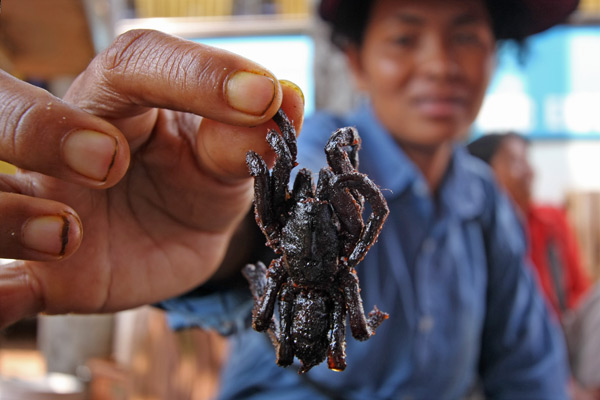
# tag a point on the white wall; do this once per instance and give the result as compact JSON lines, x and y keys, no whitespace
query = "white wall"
{"x":564,"y":166}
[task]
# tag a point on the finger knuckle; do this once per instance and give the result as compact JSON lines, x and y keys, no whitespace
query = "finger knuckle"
{"x":151,"y":53}
{"x":35,"y":288}
{"x":127,"y":50}
{"x":18,"y":117}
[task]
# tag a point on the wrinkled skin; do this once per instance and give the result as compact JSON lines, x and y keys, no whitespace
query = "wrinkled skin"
{"x":152,"y":213}
{"x":321,"y":237}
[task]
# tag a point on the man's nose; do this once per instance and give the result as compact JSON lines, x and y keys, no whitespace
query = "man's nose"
{"x":438,"y":60}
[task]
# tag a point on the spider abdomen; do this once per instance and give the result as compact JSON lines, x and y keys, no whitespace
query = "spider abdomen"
{"x":310,"y":326}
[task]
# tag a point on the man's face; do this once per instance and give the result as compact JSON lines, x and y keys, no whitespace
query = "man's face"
{"x":425,"y":64}
{"x":513,"y":170}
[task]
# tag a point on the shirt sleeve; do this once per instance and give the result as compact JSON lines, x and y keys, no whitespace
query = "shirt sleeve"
{"x":523,"y":350}
{"x":227,"y":311}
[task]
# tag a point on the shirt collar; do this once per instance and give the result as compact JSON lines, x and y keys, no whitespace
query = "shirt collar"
{"x":462,"y":190}
{"x":384,"y":161}
{"x":391,"y":169}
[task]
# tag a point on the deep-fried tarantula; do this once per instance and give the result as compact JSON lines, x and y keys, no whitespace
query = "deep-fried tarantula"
{"x":321,"y":237}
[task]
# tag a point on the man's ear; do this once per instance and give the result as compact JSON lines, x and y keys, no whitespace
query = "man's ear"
{"x":353,"y":58}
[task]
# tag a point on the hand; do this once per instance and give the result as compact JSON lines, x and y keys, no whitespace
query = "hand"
{"x":578,"y":392}
{"x":129,"y":189}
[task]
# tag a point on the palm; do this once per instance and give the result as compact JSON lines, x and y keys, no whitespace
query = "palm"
{"x":147,"y":237}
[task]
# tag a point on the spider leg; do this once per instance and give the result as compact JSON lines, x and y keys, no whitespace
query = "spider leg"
{"x":375,"y":318}
{"x":347,"y":209}
{"x":256,"y":275}
{"x":361,"y":327}
{"x":341,"y":161}
{"x":285,"y":352}
{"x":287,"y":131}
{"x":271,"y":189}
{"x":303,"y":187}
{"x":324,"y":184}
{"x":366,"y":187}
{"x":263,"y":201}
{"x":336,"y":359}
{"x":342,"y":155}
{"x":280,"y":175}
{"x":262,"y":313}
{"x":285,"y":147}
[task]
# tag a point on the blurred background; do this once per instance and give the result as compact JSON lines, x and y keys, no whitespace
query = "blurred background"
{"x":552,"y":97}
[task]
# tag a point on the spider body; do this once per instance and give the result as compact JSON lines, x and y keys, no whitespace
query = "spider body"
{"x":321,"y":236}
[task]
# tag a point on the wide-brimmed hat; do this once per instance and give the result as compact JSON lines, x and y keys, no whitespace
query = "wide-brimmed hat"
{"x":541,"y":14}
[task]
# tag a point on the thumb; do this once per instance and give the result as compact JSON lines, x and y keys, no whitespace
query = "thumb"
{"x":20,"y":295}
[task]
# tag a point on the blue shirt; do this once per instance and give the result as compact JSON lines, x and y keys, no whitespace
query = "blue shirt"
{"x":450,"y":270}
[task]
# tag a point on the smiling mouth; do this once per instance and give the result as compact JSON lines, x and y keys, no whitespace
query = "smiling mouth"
{"x":439,"y":107}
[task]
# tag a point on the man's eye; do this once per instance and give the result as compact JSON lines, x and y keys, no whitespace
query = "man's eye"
{"x":466,"y":38}
{"x":405,"y":40}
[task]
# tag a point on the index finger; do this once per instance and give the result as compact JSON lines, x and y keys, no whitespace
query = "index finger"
{"x":41,"y":133}
{"x":144,"y":68}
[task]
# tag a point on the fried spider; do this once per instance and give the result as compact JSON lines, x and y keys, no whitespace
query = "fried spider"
{"x":321,"y":237}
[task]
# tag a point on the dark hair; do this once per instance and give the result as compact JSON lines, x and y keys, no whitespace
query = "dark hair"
{"x":509,"y":21}
{"x":486,"y":146}
{"x":349,"y":24}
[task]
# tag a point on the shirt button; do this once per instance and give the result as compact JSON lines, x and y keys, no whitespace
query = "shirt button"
{"x":426,"y":324}
{"x":420,"y":189}
{"x":429,"y":245}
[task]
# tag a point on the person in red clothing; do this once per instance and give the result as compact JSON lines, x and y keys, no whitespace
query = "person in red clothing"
{"x":553,"y":246}
{"x":554,"y":253}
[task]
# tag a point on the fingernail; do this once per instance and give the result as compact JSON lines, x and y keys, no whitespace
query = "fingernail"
{"x":250,"y":93}
{"x":90,"y":153}
{"x":47,"y":234}
{"x":293,"y":86}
